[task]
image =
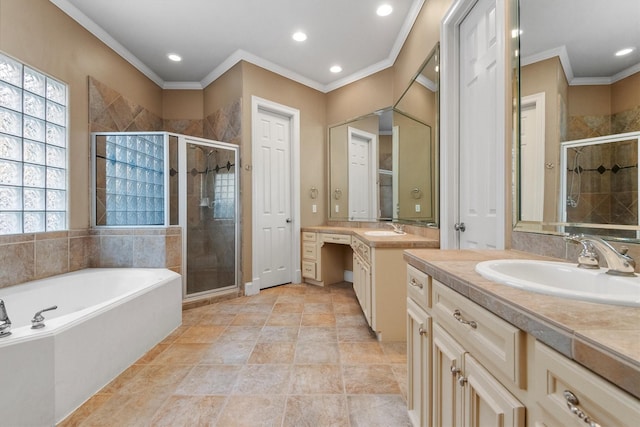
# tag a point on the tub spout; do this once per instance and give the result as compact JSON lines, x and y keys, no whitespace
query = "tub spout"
{"x":38,"y":319}
{"x":5,"y":323}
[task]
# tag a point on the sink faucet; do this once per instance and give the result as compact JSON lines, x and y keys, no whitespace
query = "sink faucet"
{"x":619,"y":263}
{"x":5,"y":323}
{"x":398,"y":228}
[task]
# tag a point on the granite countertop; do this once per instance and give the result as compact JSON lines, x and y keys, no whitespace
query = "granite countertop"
{"x":603,"y":338}
{"x":406,"y":240}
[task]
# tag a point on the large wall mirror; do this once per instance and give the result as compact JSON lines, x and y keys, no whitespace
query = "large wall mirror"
{"x":383,"y":166}
{"x":579,"y":128}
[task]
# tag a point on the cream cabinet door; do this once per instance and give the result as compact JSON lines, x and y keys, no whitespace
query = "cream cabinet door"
{"x":487,"y":403}
{"x":447,"y":394}
{"x":418,"y":365}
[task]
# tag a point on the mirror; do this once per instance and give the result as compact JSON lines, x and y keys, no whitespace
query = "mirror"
{"x":579,"y":117}
{"x":383,"y":166}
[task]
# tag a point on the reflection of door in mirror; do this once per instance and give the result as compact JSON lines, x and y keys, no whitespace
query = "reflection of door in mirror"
{"x":532,"y":155}
{"x":363,"y":168}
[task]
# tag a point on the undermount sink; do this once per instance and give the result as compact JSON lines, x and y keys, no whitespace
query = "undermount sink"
{"x":563,"y":280}
{"x":382,"y":233}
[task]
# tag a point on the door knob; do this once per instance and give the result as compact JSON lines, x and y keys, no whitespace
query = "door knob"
{"x":459,"y":226}
{"x":288,"y":220}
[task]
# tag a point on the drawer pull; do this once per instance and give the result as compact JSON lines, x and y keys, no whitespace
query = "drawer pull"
{"x":458,"y":317}
{"x":415,"y":283}
{"x":572,"y":404}
{"x":422,"y":331}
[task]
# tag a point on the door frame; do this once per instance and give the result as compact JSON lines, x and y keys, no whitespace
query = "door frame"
{"x":260,"y":104}
{"x":450,"y":124}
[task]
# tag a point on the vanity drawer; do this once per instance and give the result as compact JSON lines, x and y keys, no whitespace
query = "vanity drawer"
{"x":560,"y":381}
{"x":494,"y":342}
{"x":419,"y":287}
{"x":309,"y":236}
{"x":342,"y":239}
{"x":361,"y":249}
{"x":309,"y":269}
{"x":309,"y":250}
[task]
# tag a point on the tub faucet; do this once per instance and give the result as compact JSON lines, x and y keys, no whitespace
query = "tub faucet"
{"x":619,"y":263}
{"x":38,"y":319}
{"x":398,"y":228}
{"x":5,"y":323}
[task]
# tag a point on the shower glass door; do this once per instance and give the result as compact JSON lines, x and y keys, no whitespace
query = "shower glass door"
{"x":209,"y":205}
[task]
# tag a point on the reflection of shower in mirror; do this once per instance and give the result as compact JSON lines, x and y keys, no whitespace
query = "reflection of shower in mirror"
{"x":573,"y":199}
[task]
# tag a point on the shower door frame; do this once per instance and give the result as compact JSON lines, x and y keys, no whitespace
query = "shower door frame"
{"x":564,"y":164}
{"x":183,"y":140}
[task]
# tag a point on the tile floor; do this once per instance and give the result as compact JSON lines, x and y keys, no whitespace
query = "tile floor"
{"x":294,"y":355}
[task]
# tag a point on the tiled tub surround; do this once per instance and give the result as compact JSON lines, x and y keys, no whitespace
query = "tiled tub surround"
{"x":603,"y":338}
{"x":26,"y":257}
{"x":294,"y":355}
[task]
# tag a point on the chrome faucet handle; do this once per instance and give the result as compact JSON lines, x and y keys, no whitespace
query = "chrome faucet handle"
{"x":588,"y":257}
{"x":38,"y":319}
{"x":5,"y":323}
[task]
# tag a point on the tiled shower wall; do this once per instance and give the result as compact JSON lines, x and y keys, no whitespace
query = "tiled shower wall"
{"x":26,"y":257}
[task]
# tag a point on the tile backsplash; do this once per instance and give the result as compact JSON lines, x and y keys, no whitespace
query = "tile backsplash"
{"x":26,"y":257}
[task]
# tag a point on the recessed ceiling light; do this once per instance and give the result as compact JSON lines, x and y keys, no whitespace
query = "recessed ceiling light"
{"x":299,"y":36}
{"x":623,"y":52}
{"x":384,"y":10}
{"x":335,"y":69}
{"x":174,"y":57}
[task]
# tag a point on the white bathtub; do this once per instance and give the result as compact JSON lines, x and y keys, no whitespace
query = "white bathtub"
{"x":106,"y":319}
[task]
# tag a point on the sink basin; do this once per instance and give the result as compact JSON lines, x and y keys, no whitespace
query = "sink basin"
{"x":382,"y":233}
{"x":563,"y":280}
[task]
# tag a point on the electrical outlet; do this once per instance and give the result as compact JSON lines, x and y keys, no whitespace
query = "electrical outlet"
{"x":418,"y":208}
{"x":314,"y":208}
{"x":337,"y":208}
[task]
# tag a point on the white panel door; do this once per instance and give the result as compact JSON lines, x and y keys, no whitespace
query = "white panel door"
{"x":532,"y":158}
{"x":363,"y":166}
{"x":273,"y":201}
{"x":481,"y":156}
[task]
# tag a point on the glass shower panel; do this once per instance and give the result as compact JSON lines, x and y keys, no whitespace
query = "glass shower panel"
{"x":211,"y":252}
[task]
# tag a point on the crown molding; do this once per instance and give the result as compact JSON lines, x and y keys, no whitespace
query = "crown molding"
{"x":241,"y":55}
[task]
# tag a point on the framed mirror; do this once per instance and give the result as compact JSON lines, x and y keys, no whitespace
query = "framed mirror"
{"x":579,"y":118}
{"x":383,"y":166}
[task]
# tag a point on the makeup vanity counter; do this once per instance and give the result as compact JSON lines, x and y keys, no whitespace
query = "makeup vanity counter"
{"x":378,"y":270}
{"x":553,"y":341}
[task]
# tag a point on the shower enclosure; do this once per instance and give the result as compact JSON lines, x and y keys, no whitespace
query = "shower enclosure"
{"x":159,"y":179}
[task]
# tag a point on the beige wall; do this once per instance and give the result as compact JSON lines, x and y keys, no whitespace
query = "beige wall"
{"x":547,"y":76}
{"x":40,"y":35}
{"x":222,"y":92}
{"x":625,"y":94}
{"x":182,"y":104}
{"x":605,"y":100}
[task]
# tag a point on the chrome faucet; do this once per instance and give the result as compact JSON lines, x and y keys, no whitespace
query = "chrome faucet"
{"x":619,"y":263}
{"x":5,"y":323}
{"x":398,"y":228}
{"x":38,"y":319}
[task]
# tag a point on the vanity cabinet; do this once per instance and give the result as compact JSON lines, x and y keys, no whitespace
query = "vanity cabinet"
{"x":362,"y":280}
{"x":568,"y":395}
{"x":323,"y":256}
{"x":310,"y":255}
{"x":419,"y":347}
{"x":469,"y":367}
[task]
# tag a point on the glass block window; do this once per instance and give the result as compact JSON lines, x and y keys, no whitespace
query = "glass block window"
{"x":224,"y":195}
{"x":134,"y":178}
{"x":33,"y":150}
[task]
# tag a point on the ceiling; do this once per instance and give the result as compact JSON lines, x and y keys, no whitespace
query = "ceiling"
{"x":585,"y":34}
{"x":213,"y":35}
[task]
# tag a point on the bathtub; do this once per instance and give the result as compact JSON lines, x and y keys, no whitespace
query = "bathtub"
{"x":106,"y":319}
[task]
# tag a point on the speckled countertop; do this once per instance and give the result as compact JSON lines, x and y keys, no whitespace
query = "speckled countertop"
{"x":397,"y":241}
{"x":603,"y":338}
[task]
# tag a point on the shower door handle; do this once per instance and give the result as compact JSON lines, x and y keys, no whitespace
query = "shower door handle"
{"x":288,"y":220}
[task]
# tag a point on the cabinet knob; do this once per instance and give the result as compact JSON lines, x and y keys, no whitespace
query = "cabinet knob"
{"x":462,"y":381}
{"x":422,"y":331}
{"x":455,"y":371}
